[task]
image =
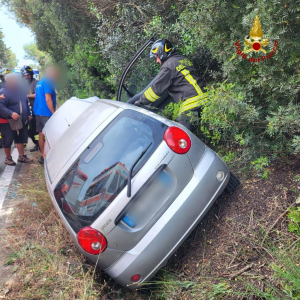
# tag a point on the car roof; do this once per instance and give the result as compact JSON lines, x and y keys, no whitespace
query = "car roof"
{"x":125,"y":105}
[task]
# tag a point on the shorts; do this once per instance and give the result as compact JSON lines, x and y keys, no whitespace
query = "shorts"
{"x":9,"y":136}
{"x":40,"y":122}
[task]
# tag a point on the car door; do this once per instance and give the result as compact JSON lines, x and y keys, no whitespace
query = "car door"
{"x":138,"y":75}
{"x":128,"y":79}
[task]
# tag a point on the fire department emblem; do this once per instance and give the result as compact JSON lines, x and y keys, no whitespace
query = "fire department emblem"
{"x":256,"y":42}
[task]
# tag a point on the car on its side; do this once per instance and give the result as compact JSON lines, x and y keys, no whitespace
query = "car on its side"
{"x":128,"y":184}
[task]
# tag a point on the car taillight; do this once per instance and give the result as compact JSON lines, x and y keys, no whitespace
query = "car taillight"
{"x":178,"y":140}
{"x":91,"y":240}
{"x":136,"y":278}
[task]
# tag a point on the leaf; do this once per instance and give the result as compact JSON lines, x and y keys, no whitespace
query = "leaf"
{"x":298,"y":200}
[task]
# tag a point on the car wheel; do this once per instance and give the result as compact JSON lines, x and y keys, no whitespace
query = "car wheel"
{"x":232,"y":184}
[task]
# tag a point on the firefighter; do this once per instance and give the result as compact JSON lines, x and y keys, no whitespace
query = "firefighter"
{"x":27,"y":74}
{"x":178,"y":76}
{"x":3,"y":73}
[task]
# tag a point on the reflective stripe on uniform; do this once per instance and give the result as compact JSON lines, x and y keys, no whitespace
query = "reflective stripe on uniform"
{"x":150,"y":95}
{"x":197,"y":103}
{"x":194,"y":101}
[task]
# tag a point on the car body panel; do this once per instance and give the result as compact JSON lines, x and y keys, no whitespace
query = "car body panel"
{"x":75,"y":135}
{"x":124,"y":237}
{"x":65,"y":116}
{"x":197,"y":150}
{"x":173,"y":227}
{"x":145,"y":248}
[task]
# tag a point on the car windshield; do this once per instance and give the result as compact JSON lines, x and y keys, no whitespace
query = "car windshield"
{"x":100,"y":173}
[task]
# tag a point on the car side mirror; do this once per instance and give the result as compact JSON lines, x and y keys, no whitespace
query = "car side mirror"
{"x":131,"y":91}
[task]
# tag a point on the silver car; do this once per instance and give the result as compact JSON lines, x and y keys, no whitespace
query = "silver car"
{"x":128,"y":184}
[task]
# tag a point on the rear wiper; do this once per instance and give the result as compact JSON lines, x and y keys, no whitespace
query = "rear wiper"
{"x":131,"y":170}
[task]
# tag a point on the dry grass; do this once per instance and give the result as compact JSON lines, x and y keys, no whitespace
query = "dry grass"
{"x":234,"y":263}
{"x":46,"y":263}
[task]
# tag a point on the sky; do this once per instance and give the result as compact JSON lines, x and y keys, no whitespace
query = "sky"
{"x":15,"y":36}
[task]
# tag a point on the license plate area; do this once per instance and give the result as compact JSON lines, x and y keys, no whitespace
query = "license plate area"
{"x":149,"y":200}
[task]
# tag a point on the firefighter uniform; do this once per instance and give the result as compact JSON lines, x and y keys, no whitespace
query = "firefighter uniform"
{"x":178,"y":76}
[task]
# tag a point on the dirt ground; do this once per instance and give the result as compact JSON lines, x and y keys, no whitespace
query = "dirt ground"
{"x":220,"y":245}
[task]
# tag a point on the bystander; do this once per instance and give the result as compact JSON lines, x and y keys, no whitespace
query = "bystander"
{"x":45,"y":104}
{"x":27,"y":74}
{"x":14,"y":106}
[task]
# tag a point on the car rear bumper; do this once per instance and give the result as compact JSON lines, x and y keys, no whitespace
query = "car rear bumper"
{"x":169,"y":232}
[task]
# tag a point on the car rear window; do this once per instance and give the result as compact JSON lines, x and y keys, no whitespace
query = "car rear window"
{"x":100,"y":173}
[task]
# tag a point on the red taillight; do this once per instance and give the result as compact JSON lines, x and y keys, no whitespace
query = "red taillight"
{"x":178,"y":140}
{"x":91,"y":240}
{"x":136,"y":278}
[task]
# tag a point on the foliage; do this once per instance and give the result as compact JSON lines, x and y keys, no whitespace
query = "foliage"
{"x":42,"y":58}
{"x":87,"y":71}
{"x":260,"y":166}
{"x":229,"y":156}
{"x":294,"y":217}
{"x":270,"y":87}
{"x":259,"y":114}
{"x":7,"y":57}
{"x":171,"y":111}
{"x":253,"y":106}
{"x":64,"y":34}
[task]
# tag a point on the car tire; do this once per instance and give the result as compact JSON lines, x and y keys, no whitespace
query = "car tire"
{"x":232,"y":184}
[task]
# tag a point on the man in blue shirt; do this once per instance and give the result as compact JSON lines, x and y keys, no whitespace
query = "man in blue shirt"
{"x":45,"y":104}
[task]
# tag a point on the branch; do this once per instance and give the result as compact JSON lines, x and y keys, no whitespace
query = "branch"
{"x":138,"y":8}
{"x":274,"y":224}
{"x":241,"y":271}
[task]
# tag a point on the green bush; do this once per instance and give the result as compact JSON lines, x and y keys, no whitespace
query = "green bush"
{"x":87,"y":71}
{"x":253,"y":106}
{"x":294,"y":217}
{"x":269,"y":89}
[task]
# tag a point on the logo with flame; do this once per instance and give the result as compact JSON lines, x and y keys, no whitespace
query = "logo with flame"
{"x":255,"y":42}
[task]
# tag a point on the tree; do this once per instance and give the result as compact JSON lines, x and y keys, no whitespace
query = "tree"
{"x":32,"y":52}
{"x":7,"y":57}
{"x":13,"y":61}
{"x":252,"y":107}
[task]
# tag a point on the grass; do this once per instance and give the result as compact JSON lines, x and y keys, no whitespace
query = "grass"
{"x":47,"y":265}
{"x":45,"y":261}
{"x":276,"y":277}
